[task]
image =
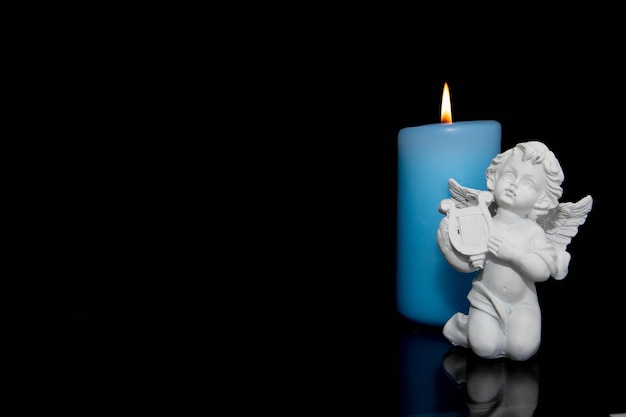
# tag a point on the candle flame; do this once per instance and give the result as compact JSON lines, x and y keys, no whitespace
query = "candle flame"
{"x":446,"y":105}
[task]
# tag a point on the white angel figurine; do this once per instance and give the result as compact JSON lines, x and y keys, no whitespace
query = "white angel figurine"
{"x":516,"y":234}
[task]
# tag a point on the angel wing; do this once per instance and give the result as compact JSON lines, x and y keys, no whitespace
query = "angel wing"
{"x":561,"y":223}
{"x":465,"y":196}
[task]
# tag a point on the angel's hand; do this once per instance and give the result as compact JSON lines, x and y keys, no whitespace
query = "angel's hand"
{"x":502,"y":248}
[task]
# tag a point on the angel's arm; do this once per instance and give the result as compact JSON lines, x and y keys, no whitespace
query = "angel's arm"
{"x":529,"y":253}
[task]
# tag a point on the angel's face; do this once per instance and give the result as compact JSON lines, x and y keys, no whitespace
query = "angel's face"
{"x":520,"y":184}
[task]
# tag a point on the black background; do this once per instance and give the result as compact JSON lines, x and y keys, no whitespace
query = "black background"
{"x":256,"y":194}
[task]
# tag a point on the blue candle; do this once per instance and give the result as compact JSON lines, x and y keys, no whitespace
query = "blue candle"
{"x":429,"y":290}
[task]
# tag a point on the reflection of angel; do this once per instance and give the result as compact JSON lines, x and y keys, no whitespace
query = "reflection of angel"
{"x":495,"y":388}
{"x":520,"y":239}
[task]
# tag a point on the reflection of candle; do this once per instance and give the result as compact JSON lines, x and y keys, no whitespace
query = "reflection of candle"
{"x":429,"y":290}
{"x":423,"y":379}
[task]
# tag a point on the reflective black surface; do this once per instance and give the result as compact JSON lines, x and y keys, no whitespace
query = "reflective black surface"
{"x":563,"y":379}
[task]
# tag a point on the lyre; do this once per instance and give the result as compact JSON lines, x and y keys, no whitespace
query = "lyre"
{"x":469,"y":227}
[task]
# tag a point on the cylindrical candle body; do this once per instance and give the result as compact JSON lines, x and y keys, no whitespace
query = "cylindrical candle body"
{"x":429,"y":290}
